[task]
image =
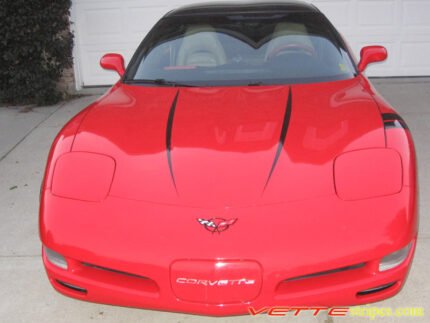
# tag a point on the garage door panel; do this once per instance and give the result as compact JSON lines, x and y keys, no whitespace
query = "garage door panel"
{"x":376,"y":13}
{"x":416,"y":13}
{"x":142,"y":19}
{"x":339,"y":12}
{"x":414,"y":53}
{"x":402,"y":26}
{"x":95,"y":25}
{"x":100,"y":22}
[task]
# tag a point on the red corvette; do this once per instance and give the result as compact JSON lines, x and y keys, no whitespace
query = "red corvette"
{"x":242,"y":160}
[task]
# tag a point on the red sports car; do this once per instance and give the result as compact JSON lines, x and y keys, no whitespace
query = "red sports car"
{"x":242,"y":160}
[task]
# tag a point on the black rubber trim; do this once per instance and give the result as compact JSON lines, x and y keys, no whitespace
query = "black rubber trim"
{"x":169,"y":138}
{"x":375,"y":290}
{"x":393,"y":120}
{"x":284,"y":130}
{"x":72,"y":287}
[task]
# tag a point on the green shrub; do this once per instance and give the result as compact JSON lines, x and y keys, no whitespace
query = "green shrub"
{"x":35,"y":47}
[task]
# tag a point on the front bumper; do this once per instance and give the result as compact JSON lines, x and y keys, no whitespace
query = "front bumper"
{"x":345,"y":286}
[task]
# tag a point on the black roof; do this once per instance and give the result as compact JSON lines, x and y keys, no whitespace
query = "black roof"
{"x":235,"y":7}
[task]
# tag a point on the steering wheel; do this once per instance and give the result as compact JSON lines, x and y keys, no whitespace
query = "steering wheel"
{"x":308,"y":50}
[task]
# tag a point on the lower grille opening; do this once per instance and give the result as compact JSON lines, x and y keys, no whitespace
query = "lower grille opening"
{"x":113,"y":270}
{"x":327,"y":272}
{"x":375,"y":289}
{"x":319,"y":281}
{"x":72,"y":287}
{"x":118,"y":278}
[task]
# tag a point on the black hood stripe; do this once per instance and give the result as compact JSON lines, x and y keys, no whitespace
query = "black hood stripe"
{"x":284,"y":130}
{"x":392,"y":120}
{"x":169,"y":137}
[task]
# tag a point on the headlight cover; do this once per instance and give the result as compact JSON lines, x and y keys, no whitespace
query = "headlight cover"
{"x":83,"y":176}
{"x":368,"y":173}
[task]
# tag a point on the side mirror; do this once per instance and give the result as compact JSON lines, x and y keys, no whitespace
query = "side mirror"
{"x":371,"y":54}
{"x":114,"y":62}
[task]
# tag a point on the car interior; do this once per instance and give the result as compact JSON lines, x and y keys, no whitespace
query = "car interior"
{"x":244,"y":51}
{"x":201,"y":47}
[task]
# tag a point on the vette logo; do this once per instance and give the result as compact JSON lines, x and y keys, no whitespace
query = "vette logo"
{"x":218,"y":282}
{"x":217,"y":224}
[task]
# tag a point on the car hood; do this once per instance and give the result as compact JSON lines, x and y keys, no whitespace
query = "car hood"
{"x":229,"y":146}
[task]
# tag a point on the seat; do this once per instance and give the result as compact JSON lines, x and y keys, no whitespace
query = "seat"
{"x":287,"y":33}
{"x":201,"y":47}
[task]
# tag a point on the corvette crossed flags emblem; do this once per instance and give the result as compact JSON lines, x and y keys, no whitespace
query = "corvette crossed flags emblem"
{"x":216,"y":224}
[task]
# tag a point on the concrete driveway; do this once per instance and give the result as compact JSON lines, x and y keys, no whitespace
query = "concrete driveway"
{"x":25,"y":294}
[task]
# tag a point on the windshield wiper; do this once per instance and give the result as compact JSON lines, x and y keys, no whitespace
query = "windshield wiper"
{"x":162,"y":82}
{"x":256,"y":83}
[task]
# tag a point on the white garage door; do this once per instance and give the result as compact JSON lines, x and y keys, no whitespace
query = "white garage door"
{"x":403,"y":26}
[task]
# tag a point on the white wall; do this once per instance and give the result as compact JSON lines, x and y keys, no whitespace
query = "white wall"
{"x":402,"y":26}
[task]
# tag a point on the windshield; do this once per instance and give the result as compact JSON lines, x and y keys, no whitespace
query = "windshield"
{"x":242,"y":49}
